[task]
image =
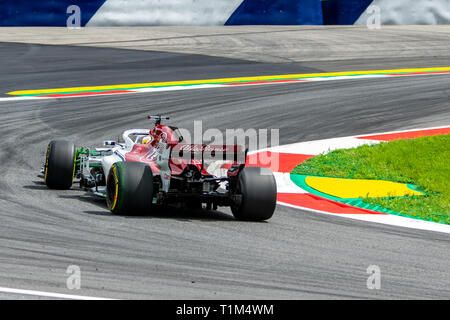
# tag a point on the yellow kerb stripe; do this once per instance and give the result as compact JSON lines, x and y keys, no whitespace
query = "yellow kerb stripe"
{"x":359,"y":188}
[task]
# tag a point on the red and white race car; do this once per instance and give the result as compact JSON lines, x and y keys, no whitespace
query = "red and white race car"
{"x":154,"y":168}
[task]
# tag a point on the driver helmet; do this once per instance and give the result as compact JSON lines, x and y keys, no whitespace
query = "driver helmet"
{"x":147,"y":139}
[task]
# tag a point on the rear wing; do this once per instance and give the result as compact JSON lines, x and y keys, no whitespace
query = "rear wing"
{"x":234,"y":154}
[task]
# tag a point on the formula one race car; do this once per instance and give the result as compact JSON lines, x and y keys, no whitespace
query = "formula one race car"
{"x":155,"y":168}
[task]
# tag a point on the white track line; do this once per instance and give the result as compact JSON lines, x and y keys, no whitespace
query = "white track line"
{"x":49,"y":294}
{"x":7,"y":99}
{"x":285,"y":184}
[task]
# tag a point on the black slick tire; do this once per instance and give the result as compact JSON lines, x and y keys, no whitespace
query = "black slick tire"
{"x":59,"y":167}
{"x":259,"y":194}
{"x":129,"y":188}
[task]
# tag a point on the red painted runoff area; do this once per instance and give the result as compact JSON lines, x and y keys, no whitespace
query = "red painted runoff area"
{"x":311,"y":201}
{"x":262,"y":82}
{"x":277,"y":162}
{"x":407,"y":134}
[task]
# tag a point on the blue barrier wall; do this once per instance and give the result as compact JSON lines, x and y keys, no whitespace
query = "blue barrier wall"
{"x":273,"y":12}
{"x":343,"y":11}
{"x":219,"y":12}
{"x":44,"y":12}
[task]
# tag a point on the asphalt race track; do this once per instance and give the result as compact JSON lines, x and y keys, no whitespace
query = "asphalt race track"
{"x":191,"y":254}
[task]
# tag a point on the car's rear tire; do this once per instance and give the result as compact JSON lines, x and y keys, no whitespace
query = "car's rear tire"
{"x":129,"y":188}
{"x":259,"y":194}
{"x":59,"y":167}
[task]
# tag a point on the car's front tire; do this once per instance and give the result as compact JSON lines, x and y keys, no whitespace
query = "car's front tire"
{"x":259,"y":194}
{"x":59,"y":169}
{"x":129,"y":188}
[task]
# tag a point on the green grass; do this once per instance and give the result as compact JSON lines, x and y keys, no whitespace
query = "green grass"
{"x":424,"y":162}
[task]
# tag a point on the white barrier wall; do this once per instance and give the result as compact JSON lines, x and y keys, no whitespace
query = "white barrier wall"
{"x":164,"y":12}
{"x":407,"y":12}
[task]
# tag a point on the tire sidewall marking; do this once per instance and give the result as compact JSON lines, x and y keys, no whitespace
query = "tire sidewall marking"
{"x":74,"y":163}
{"x":116,"y":183}
{"x":46,"y":163}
